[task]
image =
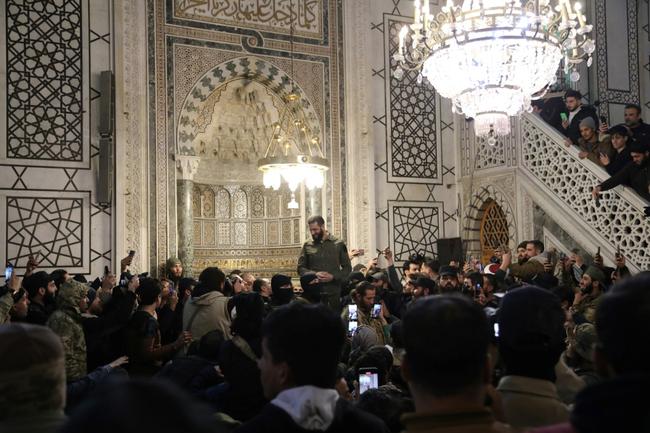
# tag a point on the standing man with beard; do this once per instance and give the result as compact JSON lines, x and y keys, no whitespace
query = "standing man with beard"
{"x":639,"y":129}
{"x":449,"y":280}
{"x":327,"y":257}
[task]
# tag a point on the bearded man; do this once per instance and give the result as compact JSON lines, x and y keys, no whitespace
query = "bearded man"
{"x":328,"y":258}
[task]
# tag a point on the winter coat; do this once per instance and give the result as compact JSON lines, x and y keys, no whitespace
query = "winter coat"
{"x":207,"y":313}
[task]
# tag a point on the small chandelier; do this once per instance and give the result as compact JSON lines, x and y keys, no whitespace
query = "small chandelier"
{"x":492,"y":57}
{"x":293,"y":152}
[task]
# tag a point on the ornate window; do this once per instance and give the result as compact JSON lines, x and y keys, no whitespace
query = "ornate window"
{"x":494,"y":229}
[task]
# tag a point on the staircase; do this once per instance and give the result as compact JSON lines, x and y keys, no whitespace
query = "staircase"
{"x":561,"y":183}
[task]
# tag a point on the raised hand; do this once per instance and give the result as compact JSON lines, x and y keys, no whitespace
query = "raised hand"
{"x":119,"y":362}
{"x":604,"y":159}
{"x":32,"y":264}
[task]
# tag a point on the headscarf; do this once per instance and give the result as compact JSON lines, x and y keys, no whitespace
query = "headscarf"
{"x":281,"y":296}
{"x":311,"y":292}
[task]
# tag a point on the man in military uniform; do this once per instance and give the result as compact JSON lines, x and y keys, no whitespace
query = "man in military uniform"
{"x":66,"y":320}
{"x":592,"y":285}
{"x":328,"y":257}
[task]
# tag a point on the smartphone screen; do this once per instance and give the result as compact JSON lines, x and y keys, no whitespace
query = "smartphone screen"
{"x":368,"y":380}
{"x":352,"y":312}
{"x":496,"y":330}
{"x":376,"y":311}
{"x":352,"y":327}
{"x":9,"y":270}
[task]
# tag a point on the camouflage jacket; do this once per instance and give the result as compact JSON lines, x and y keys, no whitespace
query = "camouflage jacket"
{"x":365,"y":320}
{"x":69,"y":328}
{"x":585,"y":310}
{"x":6,"y":302}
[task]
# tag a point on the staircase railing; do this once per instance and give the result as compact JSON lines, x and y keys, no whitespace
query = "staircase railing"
{"x":617,"y":220}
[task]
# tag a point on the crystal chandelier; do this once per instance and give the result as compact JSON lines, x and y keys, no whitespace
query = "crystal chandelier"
{"x":293,"y":152}
{"x":492,"y":57}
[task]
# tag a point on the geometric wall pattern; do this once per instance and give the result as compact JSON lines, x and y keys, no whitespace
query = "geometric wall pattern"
{"x":50,"y":227}
{"x":415,"y":192}
{"x":415,"y":227}
{"x":44,"y":86}
{"x":618,"y":80}
{"x":49,"y":137}
{"x":414,"y":144}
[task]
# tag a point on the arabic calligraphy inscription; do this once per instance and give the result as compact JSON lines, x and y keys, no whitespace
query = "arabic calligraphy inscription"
{"x":270,"y":15}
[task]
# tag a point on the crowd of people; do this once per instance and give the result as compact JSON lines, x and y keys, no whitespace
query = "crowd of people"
{"x":531,"y":340}
{"x":623,"y":150}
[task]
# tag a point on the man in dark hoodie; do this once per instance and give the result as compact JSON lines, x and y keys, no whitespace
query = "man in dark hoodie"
{"x":300,"y":353}
{"x":620,"y":403}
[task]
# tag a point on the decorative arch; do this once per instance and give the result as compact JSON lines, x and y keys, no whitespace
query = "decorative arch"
{"x":198,"y":106}
{"x":474,"y":216}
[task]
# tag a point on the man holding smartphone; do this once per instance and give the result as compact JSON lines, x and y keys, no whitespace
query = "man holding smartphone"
{"x":368,"y":311}
{"x":576,"y":113}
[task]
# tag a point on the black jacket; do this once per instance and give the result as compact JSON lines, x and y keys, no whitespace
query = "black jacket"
{"x":191,"y":373}
{"x":347,"y":419}
{"x":37,"y":314}
{"x":573,"y":131}
{"x":617,"y":405}
{"x":619,"y":161}
{"x":641,"y":133}
{"x":101,"y":331}
{"x":635,"y":176}
{"x":244,"y":397}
